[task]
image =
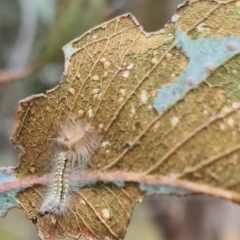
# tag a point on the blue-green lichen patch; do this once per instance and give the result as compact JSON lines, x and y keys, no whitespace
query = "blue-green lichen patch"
{"x":7,"y":199}
{"x":162,"y":189}
{"x":205,"y":55}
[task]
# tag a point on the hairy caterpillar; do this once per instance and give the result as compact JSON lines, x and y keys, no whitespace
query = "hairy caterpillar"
{"x":56,"y":200}
{"x":77,"y":141}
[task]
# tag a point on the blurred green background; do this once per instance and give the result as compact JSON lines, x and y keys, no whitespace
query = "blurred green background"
{"x":32,"y":34}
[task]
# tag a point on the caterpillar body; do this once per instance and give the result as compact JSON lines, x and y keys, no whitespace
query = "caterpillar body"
{"x":77,"y":142}
{"x":56,"y":201}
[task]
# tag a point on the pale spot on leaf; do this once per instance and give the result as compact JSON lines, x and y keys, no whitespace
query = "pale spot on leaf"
{"x":95,"y":77}
{"x":103,"y":60}
{"x":222,"y":126}
{"x":174,"y":121}
{"x":205,"y":111}
{"x":133,"y":110}
{"x":125,"y":74}
{"x":96,"y":90}
{"x":72,"y":91}
{"x":226,"y":109}
{"x":90,"y":112}
{"x":168,"y":56}
{"x":123,"y":91}
{"x":130,"y":66}
{"x":230,"y":122}
{"x":120,"y":100}
{"x":106,"y":214}
{"x":107,"y":64}
{"x":124,"y":64}
{"x":105,"y":74}
{"x":235,"y":105}
{"x":107,"y":238}
{"x":105,"y":144}
{"x":154,"y":60}
{"x":80,"y":112}
{"x":144,"y":96}
{"x":82,"y":202}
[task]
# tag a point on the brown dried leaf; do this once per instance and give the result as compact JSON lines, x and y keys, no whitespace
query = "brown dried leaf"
{"x":111,"y":79}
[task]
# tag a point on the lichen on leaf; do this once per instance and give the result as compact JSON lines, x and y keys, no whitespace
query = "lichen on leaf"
{"x":166,"y":104}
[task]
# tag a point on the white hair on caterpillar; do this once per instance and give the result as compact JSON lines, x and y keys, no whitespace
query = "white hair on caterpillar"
{"x":80,"y":140}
